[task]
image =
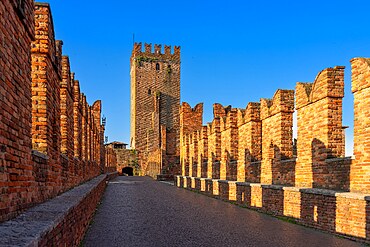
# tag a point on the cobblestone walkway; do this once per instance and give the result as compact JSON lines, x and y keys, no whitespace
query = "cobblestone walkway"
{"x":137,"y":211}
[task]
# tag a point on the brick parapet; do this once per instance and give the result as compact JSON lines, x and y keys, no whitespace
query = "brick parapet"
{"x":360,"y":168}
{"x":203,"y":151}
{"x":46,"y":77}
{"x":249,"y":137}
{"x":214,"y":147}
{"x":77,"y":119}
{"x":277,"y":133}
{"x":319,"y":115}
{"x":66,"y":107}
{"x":16,"y":33}
{"x":50,"y":223}
{"x":42,"y":99}
{"x":191,"y":120}
{"x":229,"y":144}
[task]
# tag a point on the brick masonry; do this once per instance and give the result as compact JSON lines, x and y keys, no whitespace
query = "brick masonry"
{"x":155,"y":102}
{"x":317,"y":185}
{"x":124,"y":158}
{"x":61,"y":221}
{"x":51,"y":139}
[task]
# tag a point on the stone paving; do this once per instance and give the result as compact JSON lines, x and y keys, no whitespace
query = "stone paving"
{"x":137,"y":211}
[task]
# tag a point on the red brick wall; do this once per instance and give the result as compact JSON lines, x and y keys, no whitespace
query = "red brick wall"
{"x":41,"y":111}
{"x":320,"y":132}
{"x":46,"y":78}
{"x":191,"y":120}
{"x":360,"y":168}
{"x":66,"y":107}
{"x":277,"y":136}
{"x":110,"y":160}
{"x":249,"y":145}
{"x":214,"y":148}
{"x":202,"y":152}
{"x":229,"y":144}
{"x":16,"y":34}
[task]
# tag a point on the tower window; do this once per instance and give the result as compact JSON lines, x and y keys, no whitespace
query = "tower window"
{"x":169,"y":70}
{"x":157,"y":66}
{"x":149,"y":91}
{"x":20,"y":5}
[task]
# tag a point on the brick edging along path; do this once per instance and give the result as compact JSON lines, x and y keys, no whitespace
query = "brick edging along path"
{"x":61,"y":221}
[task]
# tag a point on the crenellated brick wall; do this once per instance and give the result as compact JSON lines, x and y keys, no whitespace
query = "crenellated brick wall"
{"x":191,"y":120}
{"x":44,"y":116}
{"x":229,"y":145}
{"x":360,"y":167}
{"x":249,"y":146}
{"x":277,"y":138}
{"x":320,"y":131}
{"x":316,"y":186}
{"x":16,"y":168}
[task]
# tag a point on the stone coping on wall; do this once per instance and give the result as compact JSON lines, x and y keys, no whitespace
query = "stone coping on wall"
{"x":288,"y":160}
{"x":226,"y":181}
{"x":316,"y":191}
{"x":40,"y":155}
{"x":32,"y":226}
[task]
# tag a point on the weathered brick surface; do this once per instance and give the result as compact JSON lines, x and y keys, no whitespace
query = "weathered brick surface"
{"x":61,"y":221}
{"x":39,"y":112}
{"x":155,"y":101}
{"x":66,"y":108}
{"x":110,"y":160}
{"x":191,"y":120}
{"x":123,"y":158}
{"x":320,"y":131}
{"x":292,"y":202}
{"x":214,"y":140}
{"x":249,"y":145}
{"x":202,"y":152}
{"x":360,"y":168}
{"x":16,"y":34}
{"x":277,"y":136}
{"x":229,"y":145}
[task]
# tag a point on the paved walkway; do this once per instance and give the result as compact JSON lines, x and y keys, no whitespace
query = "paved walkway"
{"x":137,"y":211}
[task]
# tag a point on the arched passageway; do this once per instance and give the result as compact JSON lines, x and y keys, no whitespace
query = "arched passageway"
{"x":128,"y":170}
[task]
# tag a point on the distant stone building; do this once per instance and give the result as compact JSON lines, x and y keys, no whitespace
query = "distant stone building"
{"x":155,"y":103}
{"x":126,"y":159}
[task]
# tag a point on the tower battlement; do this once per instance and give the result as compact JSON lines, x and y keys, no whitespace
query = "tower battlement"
{"x":157,"y":54}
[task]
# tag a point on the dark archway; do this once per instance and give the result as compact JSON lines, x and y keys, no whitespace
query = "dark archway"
{"x":128,"y":170}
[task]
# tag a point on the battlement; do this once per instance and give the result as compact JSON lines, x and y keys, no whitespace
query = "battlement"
{"x":230,"y":120}
{"x":220,"y":110}
{"x":157,"y":53}
{"x":360,"y":73}
{"x":185,"y":107}
{"x":328,"y":83}
{"x":282,"y":101}
{"x":250,"y":113}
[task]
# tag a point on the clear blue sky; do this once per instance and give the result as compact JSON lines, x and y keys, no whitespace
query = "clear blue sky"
{"x":232,"y":52}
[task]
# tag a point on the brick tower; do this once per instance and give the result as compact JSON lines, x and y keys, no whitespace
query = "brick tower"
{"x":155,"y":102}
